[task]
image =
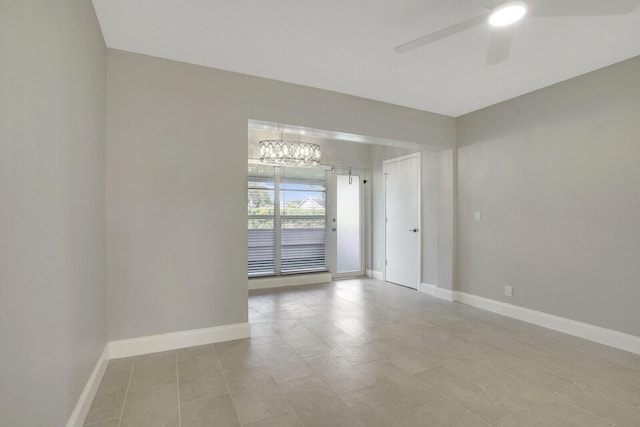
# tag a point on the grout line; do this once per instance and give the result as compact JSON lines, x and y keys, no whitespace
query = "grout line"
{"x":100,"y":422}
{"x":555,"y":393}
{"x":175,"y":354}
{"x":124,"y":402}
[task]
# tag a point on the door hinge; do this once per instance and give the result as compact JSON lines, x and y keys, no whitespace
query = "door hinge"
{"x":386,"y":262}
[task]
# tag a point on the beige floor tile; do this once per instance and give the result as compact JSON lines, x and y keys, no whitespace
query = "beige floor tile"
{"x":354,"y":353}
{"x":109,"y":398}
{"x":276,"y":353}
{"x":361,"y":352}
{"x":288,"y":419}
{"x":198,"y":366}
{"x":200,"y":376}
{"x":248,"y":379}
{"x":338,"y":373}
{"x":289,"y":370}
{"x":442,"y":413}
{"x":516,"y":392}
{"x":260,"y":403}
{"x":615,"y":411}
{"x":475,"y":398}
{"x":256,"y":395}
{"x":153,"y":370}
{"x":123,"y":364}
{"x":159,"y":360}
{"x":553,"y":415}
{"x":470,"y":367}
{"x":189,"y":352}
{"x":197,"y":384}
{"x":151,"y":407}
{"x":208,"y":412}
{"x":110,"y":423}
{"x":312,"y":382}
{"x":320,"y":407}
{"x":374,"y":406}
{"x":528,"y":372}
{"x":238,"y":354}
{"x":588,"y":372}
{"x":404,"y":357}
{"x":255,"y":316}
{"x":408,"y":391}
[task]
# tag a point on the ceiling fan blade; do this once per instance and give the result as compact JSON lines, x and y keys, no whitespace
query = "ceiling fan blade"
{"x":582,"y":7}
{"x":500,"y":45}
{"x":441,"y":34}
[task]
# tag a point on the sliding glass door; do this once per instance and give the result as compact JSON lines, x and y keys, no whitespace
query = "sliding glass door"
{"x":348,"y":224}
{"x":287,"y":213}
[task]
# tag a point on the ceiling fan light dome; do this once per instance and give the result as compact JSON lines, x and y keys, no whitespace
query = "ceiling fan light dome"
{"x":507,"y":13}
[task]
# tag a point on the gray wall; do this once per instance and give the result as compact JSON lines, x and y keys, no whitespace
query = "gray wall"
{"x":176,"y":182}
{"x":437,"y":226}
{"x":556,"y":176}
{"x":52,"y":243}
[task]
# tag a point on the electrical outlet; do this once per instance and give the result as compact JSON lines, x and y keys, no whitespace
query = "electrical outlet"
{"x":508,"y":291}
{"x":477,"y":216}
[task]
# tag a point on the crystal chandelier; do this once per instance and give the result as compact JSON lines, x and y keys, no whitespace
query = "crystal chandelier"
{"x":282,"y":152}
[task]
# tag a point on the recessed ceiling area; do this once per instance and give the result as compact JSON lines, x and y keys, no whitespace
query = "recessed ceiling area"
{"x":348,"y":46}
{"x":302,"y":132}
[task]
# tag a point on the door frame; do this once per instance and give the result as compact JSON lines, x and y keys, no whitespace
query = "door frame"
{"x":362,"y":173}
{"x":420,"y":228}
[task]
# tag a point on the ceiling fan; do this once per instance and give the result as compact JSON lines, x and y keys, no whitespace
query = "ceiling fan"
{"x":502,"y":17}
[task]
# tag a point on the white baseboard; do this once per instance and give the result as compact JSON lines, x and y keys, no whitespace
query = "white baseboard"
{"x":427,"y":288}
{"x":89,"y":392}
{"x":374,"y":274}
{"x":292,"y":280}
{"x":589,"y":332}
{"x":174,"y":340}
{"x":434,"y":291}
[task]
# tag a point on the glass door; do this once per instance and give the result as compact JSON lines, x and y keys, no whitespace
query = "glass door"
{"x":348,"y":225}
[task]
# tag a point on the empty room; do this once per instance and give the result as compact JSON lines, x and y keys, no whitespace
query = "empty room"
{"x":286,"y":213}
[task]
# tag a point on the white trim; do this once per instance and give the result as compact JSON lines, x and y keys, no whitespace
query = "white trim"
{"x":445,"y":294}
{"x":594,"y":333}
{"x":89,"y":392}
{"x":434,"y":291}
{"x":375,"y":274}
{"x":174,"y":340}
{"x":427,"y":288}
{"x":292,"y":280}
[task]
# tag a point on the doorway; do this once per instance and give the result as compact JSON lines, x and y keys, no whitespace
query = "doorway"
{"x":402,"y":220}
{"x":348,"y":224}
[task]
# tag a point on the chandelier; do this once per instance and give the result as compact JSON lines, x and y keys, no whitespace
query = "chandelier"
{"x":282,"y":152}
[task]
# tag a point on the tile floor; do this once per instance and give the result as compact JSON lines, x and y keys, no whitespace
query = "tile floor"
{"x":366,"y":353}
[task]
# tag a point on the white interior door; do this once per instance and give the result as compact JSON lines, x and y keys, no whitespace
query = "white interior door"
{"x":348,"y":225}
{"x":402,"y":211}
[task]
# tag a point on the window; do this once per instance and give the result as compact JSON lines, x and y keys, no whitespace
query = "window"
{"x":287,"y":220}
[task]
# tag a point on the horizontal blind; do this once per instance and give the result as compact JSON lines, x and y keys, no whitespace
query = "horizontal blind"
{"x":303,"y":220}
{"x":262,"y":220}
{"x":287,"y":213}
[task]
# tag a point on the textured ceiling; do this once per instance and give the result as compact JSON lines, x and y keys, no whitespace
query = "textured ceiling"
{"x":347,"y":45}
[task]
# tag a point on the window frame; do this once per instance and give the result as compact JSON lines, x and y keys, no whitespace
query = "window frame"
{"x":280,"y":217}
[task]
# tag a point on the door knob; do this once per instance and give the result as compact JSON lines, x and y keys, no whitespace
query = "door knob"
{"x":415,"y":230}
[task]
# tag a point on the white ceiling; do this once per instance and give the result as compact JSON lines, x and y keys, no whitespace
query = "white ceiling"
{"x":347,"y":45}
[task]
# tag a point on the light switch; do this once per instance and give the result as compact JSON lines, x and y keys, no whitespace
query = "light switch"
{"x":477,"y":216}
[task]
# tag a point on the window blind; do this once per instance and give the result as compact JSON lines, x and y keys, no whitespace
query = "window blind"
{"x":262,"y":220}
{"x":287,"y":220}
